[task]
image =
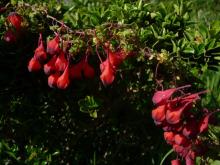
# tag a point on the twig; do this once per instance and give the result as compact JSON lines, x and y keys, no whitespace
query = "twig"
{"x":64,"y":25}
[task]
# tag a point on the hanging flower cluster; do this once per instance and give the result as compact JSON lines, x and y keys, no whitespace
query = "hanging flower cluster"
{"x":109,"y":66}
{"x":56,"y":64}
{"x":14,"y":21}
{"x":180,"y":123}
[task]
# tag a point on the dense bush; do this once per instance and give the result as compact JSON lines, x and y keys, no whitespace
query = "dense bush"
{"x":107,"y":120}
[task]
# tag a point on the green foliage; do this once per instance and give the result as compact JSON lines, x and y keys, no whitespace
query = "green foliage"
{"x":89,"y":123}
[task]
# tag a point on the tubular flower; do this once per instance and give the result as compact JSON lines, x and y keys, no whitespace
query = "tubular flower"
{"x":9,"y":36}
{"x":49,"y":67}
{"x":61,"y":62}
{"x":40,"y":53}
{"x":161,"y":97}
{"x":176,"y":162}
{"x":53,"y":46}
{"x":180,"y":124}
{"x":108,"y":73}
{"x":52,"y":80}
{"x":63,"y":81}
{"x":81,"y":69}
{"x":34,"y":65}
{"x":158,"y":114}
{"x":15,"y":19}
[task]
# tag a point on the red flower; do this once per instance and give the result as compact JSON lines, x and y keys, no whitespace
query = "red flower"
{"x":174,"y":115}
{"x":9,"y":36}
{"x":89,"y":71}
{"x":50,"y":66}
{"x":159,"y":114}
{"x":180,"y":140}
{"x":61,"y":62}
{"x":81,"y":69}
{"x":172,"y":127}
{"x":76,"y":71}
{"x":40,"y":53}
{"x":52,"y":80}
{"x":34,"y":65}
{"x":161,"y":97}
{"x":189,"y":160}
{"x":169,"y":137}
{"x":63,"y":81}
{"x":108,"y":72}
{"x":190,"y":129}
{"x":53,"y":46}
{"x":115,"y":58}
{"x":15,"y":19}
{"x":204,"y":123}
{"x":182,"y":151}
{"x":176,"y":162}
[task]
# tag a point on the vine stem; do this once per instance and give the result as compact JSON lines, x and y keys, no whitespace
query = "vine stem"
{"x":54,"y":19}
{"x":164,"y":158}
{"x":64,"y":25}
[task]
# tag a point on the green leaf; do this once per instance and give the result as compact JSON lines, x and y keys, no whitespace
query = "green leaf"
{"x":189,"y":50}
{"x":93,"y":114}
{"x":140,"y":4}
{"x":217,"y":57}
{"x":11,"y":154}
{"x":211,"y":44}
{"x":89,"y":105}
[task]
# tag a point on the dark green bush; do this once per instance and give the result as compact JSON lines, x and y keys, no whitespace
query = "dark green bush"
{"x":92,"y":124}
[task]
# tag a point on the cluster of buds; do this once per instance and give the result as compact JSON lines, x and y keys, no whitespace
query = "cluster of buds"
{"x":56,"y":64}
{"x":109,"y":66}
{"x":14,"y":21}
{"x":182,"y":126}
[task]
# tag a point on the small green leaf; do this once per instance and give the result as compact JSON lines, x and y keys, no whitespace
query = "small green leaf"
{"x":93,"y":114}
{"x":11,"y":154}
{"x":217,"y":58}
{"x":189,"y":50}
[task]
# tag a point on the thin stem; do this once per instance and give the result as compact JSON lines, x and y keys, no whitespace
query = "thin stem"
{"x":97,"y":52}
{"x":64,"y":25}
{"x":96,"y":47}
{"x":164,"y":158}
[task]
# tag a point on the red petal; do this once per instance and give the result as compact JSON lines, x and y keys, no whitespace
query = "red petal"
{"x":182,"y":151}
{"x":190,"y":129}
{"x":108,"y":74}
{"x":76,"y":70}
{"x":173,"y":116}
{"x":40,"y":53}
{"x":50,"y":66}
{"x":52,"y":80}
{"x":172,"y":127}
{"x":169,"y":137}
{"x":189,"y":161}
{"x":176,"y":162}
{"x":15,"y":20}
{"x":34,"y":65}
{"x":9,"y":36}
{"x":161,"y":97}
{"x":115,"y":58}
{"x":89,"y":71}
{"x":159,"y":113}
{"x":53,"y":46}
{"x":180,"y":140}
{"x":61,"y":62}
{"x":63,"y":81}
{"x":203,"y":124}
